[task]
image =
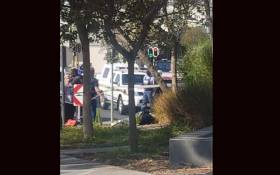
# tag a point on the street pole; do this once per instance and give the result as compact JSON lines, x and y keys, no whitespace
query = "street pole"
{"x":78,"y":50}
{"x":73,"y":63}
{"x":112,"y":93}
{"x":79,"y":113}
{"x":77,"y":63}
{"x":62,"y":56}
{"x":112,"y":85}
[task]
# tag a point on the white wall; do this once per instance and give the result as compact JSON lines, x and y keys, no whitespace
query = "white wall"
{"x":97,"y":57}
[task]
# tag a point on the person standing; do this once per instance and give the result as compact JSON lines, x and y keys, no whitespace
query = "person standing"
{"x":69,"y":108}
{"x":147,"y":97}
{"x":76,"y":77}
{"x":95,"y":92}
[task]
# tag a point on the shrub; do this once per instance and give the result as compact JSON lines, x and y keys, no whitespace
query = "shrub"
{"x":198,"y":77}
{"x":175,"y":108}
{"x":192,"y":105}
{"x":197,"y":66}
{"x":197,"y":69}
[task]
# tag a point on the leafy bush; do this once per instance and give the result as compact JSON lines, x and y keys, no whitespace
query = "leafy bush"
{"x":192,"y":105}
{"x":197,"y":71}
{"x":198,"y":65}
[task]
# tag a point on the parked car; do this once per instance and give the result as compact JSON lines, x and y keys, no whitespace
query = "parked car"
{"x":164,"y":68}
{"x":120,"y":86}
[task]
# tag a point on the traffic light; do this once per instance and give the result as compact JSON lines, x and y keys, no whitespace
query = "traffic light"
{"x":150,"y":52}
{"x":155,"y":52}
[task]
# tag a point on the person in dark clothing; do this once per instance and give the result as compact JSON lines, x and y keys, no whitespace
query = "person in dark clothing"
{"x":147,"y":97}
{"x":75,"y":77}
{"x":95,"y":91}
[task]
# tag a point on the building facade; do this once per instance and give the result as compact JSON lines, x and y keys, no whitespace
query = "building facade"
{"x":97,"y":57}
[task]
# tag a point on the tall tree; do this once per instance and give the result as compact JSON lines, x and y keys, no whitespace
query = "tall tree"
{"x":126,"y":26}
{"x":125,"y":30}
{"x":74,"y":12}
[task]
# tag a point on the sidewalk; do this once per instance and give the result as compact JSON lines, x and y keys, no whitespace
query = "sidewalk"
{"x":74,"y":166}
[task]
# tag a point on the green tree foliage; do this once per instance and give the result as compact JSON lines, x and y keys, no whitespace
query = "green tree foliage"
{"x":72,"y":10}
{"x":173,"y":21}
{"x":76,"y":20}
{"x":193,"y":36}
{"x":125,"y":25}
{"x":197,"y":69}
{"x":192,"y":105}
{"x":167,"y":30}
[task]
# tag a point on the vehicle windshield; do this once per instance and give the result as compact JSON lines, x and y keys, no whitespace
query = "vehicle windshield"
{"x":163,"y":66}
{"x":138,"y":79}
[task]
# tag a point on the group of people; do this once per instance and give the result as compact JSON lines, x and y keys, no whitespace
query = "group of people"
{"x":76,"y":77}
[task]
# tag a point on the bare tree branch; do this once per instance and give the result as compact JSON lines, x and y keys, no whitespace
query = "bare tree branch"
{"x":147,"y":21}
{"x":125,"y":35}
{"x":113,"y":40}
{"x":110,"y":33}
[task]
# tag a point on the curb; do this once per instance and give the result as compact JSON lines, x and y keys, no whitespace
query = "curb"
{"x":92,"y":150}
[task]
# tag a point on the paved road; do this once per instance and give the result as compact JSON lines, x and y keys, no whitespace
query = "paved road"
{"x":106,"y":115}
{"x":74,"y":166}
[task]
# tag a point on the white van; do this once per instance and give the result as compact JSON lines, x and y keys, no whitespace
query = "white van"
{"x":120,"y":86}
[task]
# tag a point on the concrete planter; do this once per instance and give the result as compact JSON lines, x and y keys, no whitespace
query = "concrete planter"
{"x":194,"y":149}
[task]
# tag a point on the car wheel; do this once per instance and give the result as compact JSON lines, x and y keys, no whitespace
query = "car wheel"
{"x":121,"y":106}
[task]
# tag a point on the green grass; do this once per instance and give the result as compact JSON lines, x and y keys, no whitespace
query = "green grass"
{"x":152,"y":144}
{"x":156,"y":141}
{"x":103,"y":136}
{"x":150,"y":141}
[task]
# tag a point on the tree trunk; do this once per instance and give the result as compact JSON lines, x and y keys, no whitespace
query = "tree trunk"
{"x":174,"y":67}
{"x":132,"y":121}
{"x":87,"y":119}
{"x":154,"y":72}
